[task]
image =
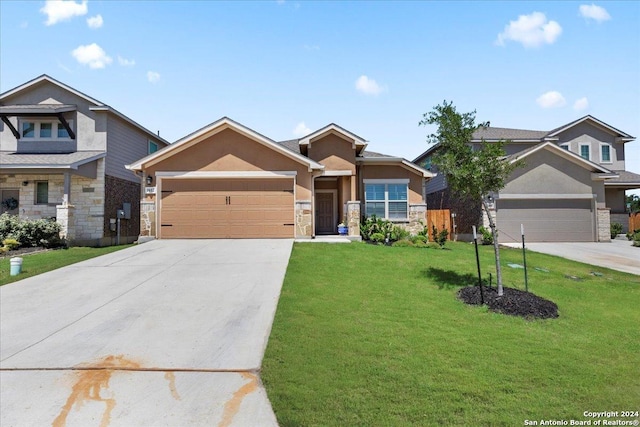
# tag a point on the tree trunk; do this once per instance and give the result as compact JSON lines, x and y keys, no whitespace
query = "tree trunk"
{"x":496,"y":248}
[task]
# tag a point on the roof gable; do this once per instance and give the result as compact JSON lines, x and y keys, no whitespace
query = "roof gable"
{"x":47,"y":79}
{"x":336,"y":130}
{"x":561,"y":152}
{"x":212,"y":129}
{"x":555,"y":132}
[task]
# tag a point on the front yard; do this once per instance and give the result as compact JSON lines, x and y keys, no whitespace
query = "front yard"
{"x":369,"y":335}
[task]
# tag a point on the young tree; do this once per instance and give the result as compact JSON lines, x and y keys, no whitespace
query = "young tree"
{"x":472,"y":173}
{"x":633,"y":202}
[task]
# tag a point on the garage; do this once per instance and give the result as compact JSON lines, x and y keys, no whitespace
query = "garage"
{"x":211,"y":208}
{"x":558,"y":220}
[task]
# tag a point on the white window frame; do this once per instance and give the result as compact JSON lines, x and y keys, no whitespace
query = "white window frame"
{"x":580,"y":150}
{"x":149,"y":147}
{"x":386,"y":200}
{"x":604,"y":144}
{"x":55,"y":125}
{"x":566,"y":146}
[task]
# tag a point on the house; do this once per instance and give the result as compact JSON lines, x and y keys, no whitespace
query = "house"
{"x":229,"y":181}
{"x":571,"y":187}
{"x":62,"y":156}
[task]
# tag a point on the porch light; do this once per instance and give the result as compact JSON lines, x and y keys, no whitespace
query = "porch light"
{"x":25,"y":183}
{"x":149,"y":179}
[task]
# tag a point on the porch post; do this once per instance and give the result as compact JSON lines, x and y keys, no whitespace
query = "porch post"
{"x":353,"y":217}
{"x":66,"y":193}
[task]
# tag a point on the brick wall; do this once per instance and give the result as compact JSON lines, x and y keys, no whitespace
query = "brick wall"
{"x":119,"y":191}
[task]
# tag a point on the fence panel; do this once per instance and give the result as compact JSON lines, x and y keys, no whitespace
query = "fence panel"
{"x":634,"y":221}
{"x":440,"y":218}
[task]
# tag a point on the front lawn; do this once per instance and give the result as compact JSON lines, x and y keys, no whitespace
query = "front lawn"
{"x":374,"y":336}
{"x":38,"y":263}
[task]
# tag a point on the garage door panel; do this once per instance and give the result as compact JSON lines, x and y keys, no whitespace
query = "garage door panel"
{"x":227,"y":208}
{"x":546,"y":220}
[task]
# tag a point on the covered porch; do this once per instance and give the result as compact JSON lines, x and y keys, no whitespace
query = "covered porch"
{"x":615,"y":191}
{"x":335,"y":202}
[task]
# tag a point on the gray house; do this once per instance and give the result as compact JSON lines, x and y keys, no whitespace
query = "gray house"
{"x":62,"y":156}
{"x":571,"y":188}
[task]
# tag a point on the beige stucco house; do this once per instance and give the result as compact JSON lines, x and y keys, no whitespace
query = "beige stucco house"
{"x":62,"y":156}
{"x":571,"y":187}
{"x":228,"y":181}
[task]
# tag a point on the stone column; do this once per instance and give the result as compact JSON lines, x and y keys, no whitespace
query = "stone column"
{"x":417,"y":218}
{"x":353,"y":217}
{"x":604,"y":225}
{"x":147,"y":218}
{"x":66,"y":218}
{"x":304,"y":225}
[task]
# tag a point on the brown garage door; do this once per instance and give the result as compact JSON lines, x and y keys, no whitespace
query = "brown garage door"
{"x":546,"y":220}
{"x":226,"y":208}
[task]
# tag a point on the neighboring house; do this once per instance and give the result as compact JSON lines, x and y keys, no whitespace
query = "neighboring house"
{"x":62,"y":156}
{"x":571,"y":187}
{"x":228,"y":181}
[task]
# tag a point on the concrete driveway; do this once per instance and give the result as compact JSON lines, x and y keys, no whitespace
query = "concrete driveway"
{"x":170,"y":332}
{"x":617,"y":255}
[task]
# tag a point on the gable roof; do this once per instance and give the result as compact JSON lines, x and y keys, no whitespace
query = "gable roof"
{"x":212,"y":129}
{"x":333,"y":128}
{"x":98,"y":106}
{"x":558,"y":130}
{"x":566,"y":154}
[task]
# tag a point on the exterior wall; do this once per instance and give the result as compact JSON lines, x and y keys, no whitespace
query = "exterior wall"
{"x":511,"y":148}
{"x":119,"y":191}
{"x":368,"y":171}
{"x":468,"y":211}
{"x":125,"y":145}
{"x":620,"y":218}
{"x":303,"y":215}
{"x":604,"y":225}
{"x":592,"y":134}
{"x":26,"y":203}
{"x":615,"y":200}
{"x":231,"y":151}
{"x":90,"y":130}
{"x":333,"y":152}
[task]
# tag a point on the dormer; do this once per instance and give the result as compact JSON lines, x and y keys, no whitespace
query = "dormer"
{"x":334,"y":147}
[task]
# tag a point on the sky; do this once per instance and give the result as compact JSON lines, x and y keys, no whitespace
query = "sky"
{"x":287,"y":68}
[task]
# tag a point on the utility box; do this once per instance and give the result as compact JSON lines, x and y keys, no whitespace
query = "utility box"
{"x":126,"y":207}
{"x":120,"y":214}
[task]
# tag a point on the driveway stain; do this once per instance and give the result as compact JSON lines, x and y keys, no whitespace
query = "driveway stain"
{"x":171,"y":377}
{"x":233,"y":405}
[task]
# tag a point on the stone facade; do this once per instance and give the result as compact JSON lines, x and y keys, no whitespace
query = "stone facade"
{"x":65,"y":216}
{"x":147,"y":218}
{"x":304,"y":225}
{"x":353,"y":218}
{"x":87,"y":195}
{"x":417,"y":218}
{"x":119,"y":191}
{"x":604,"y":225}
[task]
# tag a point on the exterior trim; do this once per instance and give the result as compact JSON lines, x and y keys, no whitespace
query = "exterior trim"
{"x":544,"y":196}
{"x":386,"y":181}
{"x":593,"y":119}
{"x":397,"y":161}
{"x":337,"y":173}
{"x":569,"y":155}
{"x":226,"y":174}
{"x":336,"y":129}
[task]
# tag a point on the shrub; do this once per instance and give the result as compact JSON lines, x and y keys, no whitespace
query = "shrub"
{"x":440,"y":237}
{"x":398,"y":233}
{"x":374,"y":225}
{"x":487,"y":236}
{"x":377,"y":237}
{"x":402,"y":244}
{"x":419,"y":239}
{"x":11,"y":244}
{"x":616,"y":228}
{"x":39,"y":232}
{"x":636,"y":238}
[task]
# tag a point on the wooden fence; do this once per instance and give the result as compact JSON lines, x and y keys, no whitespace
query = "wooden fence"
{"x":441,"y":219}
{"x":634,"y":221}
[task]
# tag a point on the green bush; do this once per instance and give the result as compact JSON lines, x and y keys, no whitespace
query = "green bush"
{"x":419,"y":238}
{"x":11,"y":244}
{"x":616,"y":228}
{"x":374,"y":225}
{"x":487,"y":236}
{"x":402,"y":244}
{"x":377,"y":237}
{"x":636,"y":238}
{"x":38,"y":232}
{"x":440,"y":237}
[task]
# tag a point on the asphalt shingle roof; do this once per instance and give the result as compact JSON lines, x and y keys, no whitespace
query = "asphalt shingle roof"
{"x":10,"y":159}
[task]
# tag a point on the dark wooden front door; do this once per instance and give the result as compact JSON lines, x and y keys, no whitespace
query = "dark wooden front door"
{"x":324,"y":214}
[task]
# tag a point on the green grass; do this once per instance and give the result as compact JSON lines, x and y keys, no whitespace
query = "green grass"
{"x":374,"y":336}
{"x":38,"y":263}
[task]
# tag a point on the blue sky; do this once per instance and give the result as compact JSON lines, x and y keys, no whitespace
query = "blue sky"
{"x":284,"y":68}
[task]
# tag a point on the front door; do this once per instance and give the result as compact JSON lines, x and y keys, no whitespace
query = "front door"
{"x":325,"y":223}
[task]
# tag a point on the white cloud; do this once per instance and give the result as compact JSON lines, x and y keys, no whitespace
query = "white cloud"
{"x":92,"y":55}
{"x":126,"y":62}
{"x":368,"y":86}
{"x":581,"y":104}
{"x":594,"y":12}
{"x":531,"y":30}
{"x":95,"y":22}
{"x":153,"y":77}
{"x":63,"y":10}
{"x":551,"y":99}
{"x":301,"y":130}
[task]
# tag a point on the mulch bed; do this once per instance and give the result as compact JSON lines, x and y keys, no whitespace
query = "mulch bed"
{"x":513,"y":302}
{"x":23,"y":251}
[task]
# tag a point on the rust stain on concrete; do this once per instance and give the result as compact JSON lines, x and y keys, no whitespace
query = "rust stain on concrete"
{"x":232,"y":406}
{"x":171,"y":377}
{"x":88,"y":386}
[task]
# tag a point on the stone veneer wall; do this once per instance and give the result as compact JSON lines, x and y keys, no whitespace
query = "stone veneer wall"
{"x":353,"y":218}
{"x":26,"y":205}
{"x":604,"y":225}
{"x":304,"y":225}
{"x":148,"y":218}
{"x":119,"y":191}
{"x":417,"y":218}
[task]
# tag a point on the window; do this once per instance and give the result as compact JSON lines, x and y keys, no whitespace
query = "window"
{"x":585,"y":151}
{"x":605,"y":153}
{"x":42,"y":192}
{"x":153,"y":147}
{"x":565,"y":146}
{"x":427,"y":163}
{"x":45,"y":129}
{"x":386,"y":199}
